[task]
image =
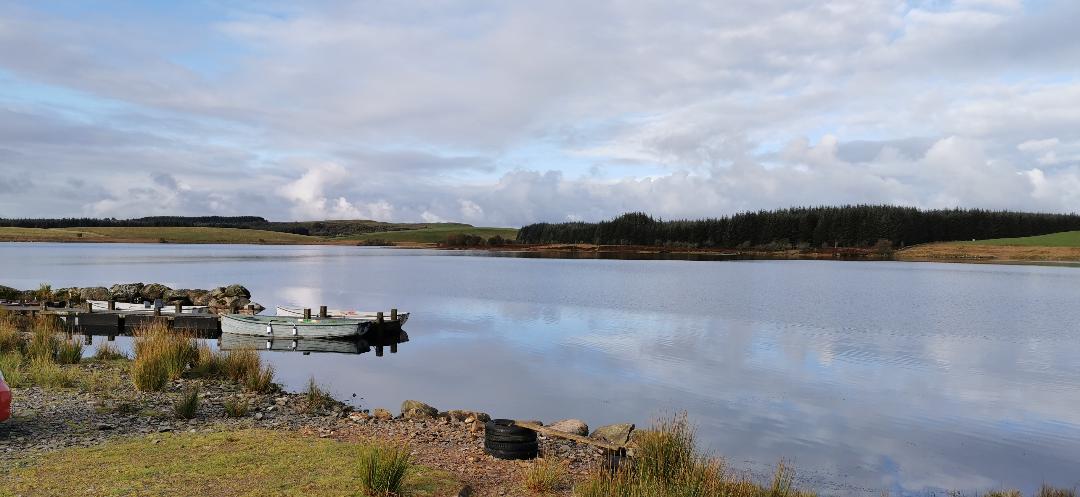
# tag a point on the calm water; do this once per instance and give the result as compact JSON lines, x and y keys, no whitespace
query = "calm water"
{"x":866,"y":376}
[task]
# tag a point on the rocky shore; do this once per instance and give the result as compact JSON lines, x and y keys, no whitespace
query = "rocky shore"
{"x":52,"y":419}
{"x":220,"y":300}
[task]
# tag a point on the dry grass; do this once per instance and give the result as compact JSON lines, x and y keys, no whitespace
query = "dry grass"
{"x":1048,"y":491}
{"x":69,"y":351}
{"x":315,"y":398}
{"x":188,"y":403}
{"x":43,"y":372}
{"x":44,"y":341}
{"x":974,"y":252}
{"x":109,"y":351}
{"x":11,"y":338}
{"x":236,"y":407}
{"x":11,"y":363}
{"x":545,"y":475}
{"x":161,"y":355}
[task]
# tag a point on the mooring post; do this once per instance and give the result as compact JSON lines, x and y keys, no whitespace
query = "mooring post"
{"x":88,"y":339}
{"x":393,"y":348}
{"x":44,"y":305}
{"x":322,"y":311}
{"x":178,"y":308}
{"x":89,"y":308}
{"x":157,"y":311}
{"x":307,"y":313}
{"x":378,"y":351}
{"x":112,"y":305}
{"x":393,"y":314}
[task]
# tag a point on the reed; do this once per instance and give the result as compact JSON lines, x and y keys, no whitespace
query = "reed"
{"x":209,"y":363}
{"x":262,"y":381}
{"x":315,"y":398}
{"x":69,"y":351}
{"x":44,"y":342}
{"x":11,"y":363}
{"x":109,"y":351}
{"x":187,"y":404}
{"x":545,"y":475}
{"x":239,"y":365}
{"x":161,"y":355}
{"x":383,"y":468}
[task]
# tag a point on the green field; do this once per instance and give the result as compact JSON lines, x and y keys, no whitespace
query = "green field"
{"x":158,"y":235}
{"x":435,"y":233}
{"x":248,"y":462}
{"x":1063,"y":239}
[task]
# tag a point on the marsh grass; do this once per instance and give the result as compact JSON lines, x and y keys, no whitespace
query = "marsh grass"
{"x":209,"y":362}
{"x":69,"y":351}
{"x":236,"y":407}
{"x":238,"y":365}
{"x":1048,"y":491}
{"x":383,"y":469}
{"x":262,"y":381}
{"x":43,"y":372}
{"x":315,"y":398}
{"x":161,"y":355}
{"x":109,"y":351}
{"x":545,"y":475}
{"x":11,"y":364}
{"x":188,"y":403}
{"x":11,"y":338}
{"x":44,"y":341}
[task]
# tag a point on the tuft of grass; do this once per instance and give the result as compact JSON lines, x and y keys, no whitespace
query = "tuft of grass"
{"x":43,"y":372}
{"x":69,"y":351}
{"x":11,"y":363}
{"x":185,"y":407}
{"x":1048,"y":491}
{"x":383,"y":469}
{"x":236,"y":407}
{"x":545,"y":475}
{"x":109,"y":351}
{"x":10,"y":337}
{"x":262,"y":381}
{"x":239,"y":365}
{"x":104,"y":382}
{"x":209,"y":363}
{"x":1004,"y":493}
{"x":44,"y":342}
{"x":161,"y":355}
{"x":315,"y":398}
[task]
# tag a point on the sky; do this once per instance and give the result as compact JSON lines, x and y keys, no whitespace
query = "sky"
{"x":510,"y":112}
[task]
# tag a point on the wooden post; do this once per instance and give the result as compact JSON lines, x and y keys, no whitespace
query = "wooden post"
{"x":178,"y":308}
{"x":393,"y":348}
{"x":379,"y":317}
{"x":378,"y":351}
{"x":157,"y":311}
{"x":88,"y":339}
{"x":322,"y":311}
{"x":393,"y":314}
{"x":307,"y":313}
{"x":44,"y":305}
{"x":89,"y":308}
{"x":112,"y":305}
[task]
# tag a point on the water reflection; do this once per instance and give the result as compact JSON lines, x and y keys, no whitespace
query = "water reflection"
{"x":375,"y":341}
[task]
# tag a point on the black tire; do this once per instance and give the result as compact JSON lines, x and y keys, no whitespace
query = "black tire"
{"x":512,"y":454}
{"x":511,"y":447}
{"x":514,"y":439}
{"x":505,"y":427}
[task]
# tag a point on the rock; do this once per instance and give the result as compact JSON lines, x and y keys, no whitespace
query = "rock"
{"x":105,"y":426}
{"x":94,"y":293}
{"x":69,"y":294}
{"x":177,"y":297}
{"x":414,"y":409}
{"x":476,"y":426}
{"x":237,"y":291}
{"x":382,"y":414}
{"x":126,"y":292}
{"x":467,"y":416}
{"x":617,"y":434}
{"x":258,"y":415}
{"x":154,"y":291}
{"x":575,"y":426}
{"x":198,"y":297}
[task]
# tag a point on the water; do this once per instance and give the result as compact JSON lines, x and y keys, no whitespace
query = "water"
{"x":910,"y":377}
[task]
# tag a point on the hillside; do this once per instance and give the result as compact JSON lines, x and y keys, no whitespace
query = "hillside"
{"x":1053,"y":247}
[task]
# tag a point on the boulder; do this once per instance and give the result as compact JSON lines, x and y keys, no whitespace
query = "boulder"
{"x":154,"y":291}
{"x":177,"y":297}
{"x":414,"y":409}
{"x":617,"y":434}
{"x":237,"y":291}
{"x":382,"y":414}
{"x":575,"y":426}
{"x":70,"y":294}
{"x":467,"y":416}
{"x":197,"y":297}
{"x":126,"y":292}
{"x":94,"y":293}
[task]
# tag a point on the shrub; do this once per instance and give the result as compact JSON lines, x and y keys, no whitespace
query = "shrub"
{"x":69,"y":352}
{"x":239,"y":365}
{"x":315,"y":398}
{"x":161,"y":355}
{"x":545,"y":475}
{"x":109,"y":351}
{"x":209,"y":362}
{"x":236,"y":407}
{"x":262,"y":381}
{"x":383,"y":468}
{"x":188,"y":403}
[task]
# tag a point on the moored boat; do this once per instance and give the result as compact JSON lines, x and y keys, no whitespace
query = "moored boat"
{"x":101,"y":305}
{"x":343,"y":314}
{"x":292,"y":327}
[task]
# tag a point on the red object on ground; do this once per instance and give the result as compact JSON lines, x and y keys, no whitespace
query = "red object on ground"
{"x":5,"y":399}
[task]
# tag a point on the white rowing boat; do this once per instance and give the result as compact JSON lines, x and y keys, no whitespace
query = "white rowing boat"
{"x":343,"y":314}
{"x":101,"y":305}
{"x":292,"y":327}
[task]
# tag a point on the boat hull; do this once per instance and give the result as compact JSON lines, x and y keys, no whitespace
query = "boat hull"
{"x":101,"y":305}
{"x":291,"y":327}
{"x":342,"y":314}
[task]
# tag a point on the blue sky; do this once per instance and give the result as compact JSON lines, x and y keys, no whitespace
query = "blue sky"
{"x":507,"y":113}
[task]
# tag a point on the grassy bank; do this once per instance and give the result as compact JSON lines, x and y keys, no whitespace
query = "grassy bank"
{"x":437,"y":233}
{"x":1055,"y":247}
{"x":244,"y":462}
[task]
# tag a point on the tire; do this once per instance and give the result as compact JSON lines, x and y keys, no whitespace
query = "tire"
{"x":511,"y":447}
{"x":514,"y":439}
{"x":504,"y":427}
{"x":512,"y":454}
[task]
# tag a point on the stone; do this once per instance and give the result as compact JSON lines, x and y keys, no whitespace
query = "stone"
{"x":382,"y":414}
{"x":105,"y":426}
{"x":466,"y":416}
{"x":236,"y":291}
{"x":414,"y":409}
{"x":94,"y":293}
{"x":476,"y":426}
{"x":154,"y":291}
{"x":177,"y":297}
{"x":575,"y":426}
{"x":617,"y":434}
{"x":198,"y":297}
{"x":259,"y":415}
{"x":126,"y":292}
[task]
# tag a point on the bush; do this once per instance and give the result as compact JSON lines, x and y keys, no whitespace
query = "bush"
{"x":188,"y":403}
{"x":236,"y":407}
{"x":161,"y":355}
{"x":69,"y":352}
{"x":109,"y":351}
{"x":383,"y":469}
{"x":545,"y":475}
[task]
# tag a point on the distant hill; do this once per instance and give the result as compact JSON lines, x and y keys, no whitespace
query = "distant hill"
{"x":326,"y":229}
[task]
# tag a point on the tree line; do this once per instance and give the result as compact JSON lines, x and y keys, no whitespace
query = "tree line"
{"x":806,"y":227}
{"x":153,"y":221}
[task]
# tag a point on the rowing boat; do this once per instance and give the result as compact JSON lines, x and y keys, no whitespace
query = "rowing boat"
{"x":343,"y":314}
{"x":292,"y":327}
{"x":101,"y":305}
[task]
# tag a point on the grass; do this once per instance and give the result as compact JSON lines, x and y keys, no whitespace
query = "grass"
{"x":1063,"y":239}
{"x":109,"y":351}
{"x":545,"y":475}
{"x":161,"y":355}
{"x":45,"y":373}
{"x":383,"y":469}
{"x":236,"y":407}
{"x":243,"y":463}
{"x":11,"y":364}
{"x":436,"y":233}
{"x":44,"y":342}
{"x":69,"y":351}
{"x":315,"y":398}
{"x":188,"y":403}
